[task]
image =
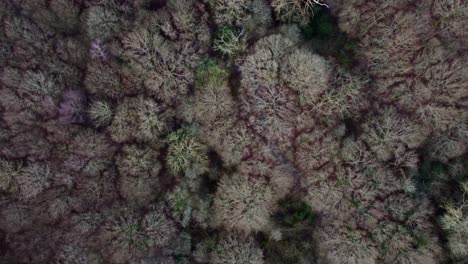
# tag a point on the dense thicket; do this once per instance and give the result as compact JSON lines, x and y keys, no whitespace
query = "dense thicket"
{"x":233,"y":131}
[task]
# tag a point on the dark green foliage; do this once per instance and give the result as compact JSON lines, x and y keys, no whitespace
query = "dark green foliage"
{"x":293,"y":213}
{"x":430,"y":173}
{"x":295,"y":220}
{"x":287,"y":251}
{"x":183,"y":261}
{"x":181,"y":203}
{"x":320,"y":26}
{"x":324,"y":36}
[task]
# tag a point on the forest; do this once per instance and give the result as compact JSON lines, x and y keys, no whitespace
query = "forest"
{"x":233,"y":131}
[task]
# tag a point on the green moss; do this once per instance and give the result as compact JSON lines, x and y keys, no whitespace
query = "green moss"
{"x":210,"y":74}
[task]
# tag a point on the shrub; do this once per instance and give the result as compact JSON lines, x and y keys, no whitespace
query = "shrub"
{"x":186,"y":154}
{"x":233,"y":249}
{"x":183,"y":260}
{"x":181,"y":202}
{"x":215,"y":109}
{"x":183,"y":246}
{"x":242,"y":205}
{"x":293,"y":212}
{"x":290,"y":240}
{"x":201,"y":211}
{"x":100,"y":113}
{"x":228,"y":41}
{"x":210,"y":75}
{"x":320,"y":27}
